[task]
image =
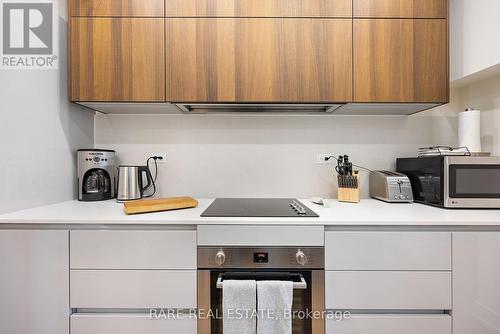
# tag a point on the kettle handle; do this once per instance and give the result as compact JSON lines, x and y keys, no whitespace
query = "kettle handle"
{"x":149,"y":177}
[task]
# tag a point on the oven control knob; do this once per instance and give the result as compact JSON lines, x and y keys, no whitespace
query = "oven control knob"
{"x":301,"y":257}
{"x":220,"y":258}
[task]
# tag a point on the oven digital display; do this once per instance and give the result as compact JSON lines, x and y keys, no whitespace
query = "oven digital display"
{"x":262,"y":257}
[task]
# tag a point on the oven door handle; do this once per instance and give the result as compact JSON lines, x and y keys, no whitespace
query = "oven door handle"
{"x":302,"y":285}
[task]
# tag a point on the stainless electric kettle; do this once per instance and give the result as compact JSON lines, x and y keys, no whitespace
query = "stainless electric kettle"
{"x":130,"y":182}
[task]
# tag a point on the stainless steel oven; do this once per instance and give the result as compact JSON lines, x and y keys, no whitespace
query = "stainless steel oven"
{"x":454,"y":181}
{"x":302,"y":265}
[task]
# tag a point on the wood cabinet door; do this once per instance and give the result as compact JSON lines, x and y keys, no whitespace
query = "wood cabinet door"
{"x":261,"y":8}
{"x":400,"y":60}
{"x":401,"y":8}
{"x":116,"y":8}
{"x":117,"y":59}
{"x":259,"y":60}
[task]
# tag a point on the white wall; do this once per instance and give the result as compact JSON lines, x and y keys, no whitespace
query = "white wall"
{"x":222,"y":155}
{"x":474,"y":27}
{"x":39,"y":133}
{"x":485,"y":96}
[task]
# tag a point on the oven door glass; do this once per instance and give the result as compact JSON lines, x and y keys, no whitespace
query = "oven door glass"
{"x":474,"y":181}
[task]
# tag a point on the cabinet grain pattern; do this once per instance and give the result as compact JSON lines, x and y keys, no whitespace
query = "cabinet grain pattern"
{"x":117,"y":59}
{"x":400,"y":60}
{"x":116,"y":8}
{"x":262,"y":8}
{"x":431,"y":61}
{"x":401,"y":8}
{"x":259,"y":60}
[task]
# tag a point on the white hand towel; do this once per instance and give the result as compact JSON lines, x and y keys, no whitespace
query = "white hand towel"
{"x":274,"y":299}
{"x":239,"y":302}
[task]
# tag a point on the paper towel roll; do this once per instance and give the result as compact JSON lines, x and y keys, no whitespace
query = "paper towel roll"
{"x":469,"y":130}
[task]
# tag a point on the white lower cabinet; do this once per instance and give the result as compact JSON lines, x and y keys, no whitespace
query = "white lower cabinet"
{"x":133,"y":250}
{"x":130,"y":324}
{"x":476,"y":282}
{"x":387,"y":250}
{"x":391,"y":324}
{"x":34,"y":282}
{"x":388,"y":290}
{"x":133,"y":289}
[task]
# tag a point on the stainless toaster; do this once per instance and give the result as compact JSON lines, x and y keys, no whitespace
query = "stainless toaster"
{"x":390,"y":186}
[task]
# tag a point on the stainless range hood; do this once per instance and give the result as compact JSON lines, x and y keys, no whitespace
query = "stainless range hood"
{"x":351,"y":109}
{"x":200,"y":108}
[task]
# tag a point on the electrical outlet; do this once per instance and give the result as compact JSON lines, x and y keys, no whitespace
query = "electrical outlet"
{"x":163,"y":155}
{"x":322,"y":158}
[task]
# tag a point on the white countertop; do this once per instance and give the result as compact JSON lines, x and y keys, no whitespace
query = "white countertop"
{"x":367,"y":212}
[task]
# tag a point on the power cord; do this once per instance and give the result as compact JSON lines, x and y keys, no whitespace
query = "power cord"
{"x":336,"y":158}
{"x":154,"y":158}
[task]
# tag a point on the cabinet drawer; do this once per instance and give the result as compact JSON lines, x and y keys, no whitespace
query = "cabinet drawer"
{"x":391,"y":324}
{"x":239,"y":235}
{"x":116,"y":8}
{"x":130,"y":324}
{"x":262,"y":8}
{"x":133,"y":249}
{"x":401,"y":8}
{"x":388,"y":251}
{"x":132,"y":289}
{"x":388,"y":290}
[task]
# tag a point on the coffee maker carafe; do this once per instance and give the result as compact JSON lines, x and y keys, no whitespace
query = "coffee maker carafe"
{"x":96,"y":175}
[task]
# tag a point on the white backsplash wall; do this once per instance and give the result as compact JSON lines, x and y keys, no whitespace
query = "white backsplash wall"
{"x":266,"y":156}
{"x":485,"y":96}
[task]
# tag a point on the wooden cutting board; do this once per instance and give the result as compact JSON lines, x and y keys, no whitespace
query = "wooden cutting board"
{"x":159,"y":204}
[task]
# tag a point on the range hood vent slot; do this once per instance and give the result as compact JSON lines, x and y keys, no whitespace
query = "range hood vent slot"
{"x":201,"y":108}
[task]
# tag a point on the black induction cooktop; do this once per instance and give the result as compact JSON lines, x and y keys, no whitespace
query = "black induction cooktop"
{"x":258,"y":207}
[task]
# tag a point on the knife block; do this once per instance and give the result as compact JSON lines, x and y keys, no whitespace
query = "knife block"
{"x":348,"y":188}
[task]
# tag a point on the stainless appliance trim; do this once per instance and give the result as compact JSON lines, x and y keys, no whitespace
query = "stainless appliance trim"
{"x":390,"y":187}
{"x":296,"y":285}
{"x":130,"y":182}
{"x":480,"y":203}
{"x":236,"y":258}
{"x":96,"y":159}
{"x":278,"y":257}
{"x":292,"y":108}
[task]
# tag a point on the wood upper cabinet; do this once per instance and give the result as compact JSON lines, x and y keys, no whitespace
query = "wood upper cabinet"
{"x":117,"y":59}
{"x":401,"y":8}
{"x":400,"y":60}
{"x":116,"y":7}
{"x":261,"y":8}
{"x":259,"y":60}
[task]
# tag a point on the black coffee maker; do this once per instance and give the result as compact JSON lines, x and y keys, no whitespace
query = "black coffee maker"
{"x":96,"y":174}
